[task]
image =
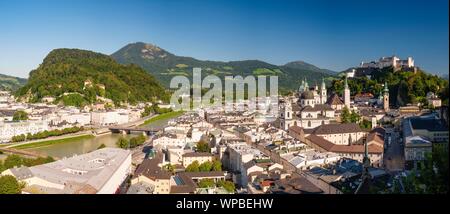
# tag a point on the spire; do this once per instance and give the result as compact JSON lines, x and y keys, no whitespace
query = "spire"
{"x":323,"y":83}
{"x":386,"y":89}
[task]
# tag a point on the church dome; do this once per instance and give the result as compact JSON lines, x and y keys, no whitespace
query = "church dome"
{"x":307,"y":95}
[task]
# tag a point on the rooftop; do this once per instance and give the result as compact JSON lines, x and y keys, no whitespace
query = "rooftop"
{"x":337,"y":128}
{"x":91,"y":170}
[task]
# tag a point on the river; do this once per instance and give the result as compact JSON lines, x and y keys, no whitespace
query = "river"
{"x":81,"y":146}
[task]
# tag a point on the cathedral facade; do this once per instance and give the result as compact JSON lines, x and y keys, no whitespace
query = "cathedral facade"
{"x":310,"y":110}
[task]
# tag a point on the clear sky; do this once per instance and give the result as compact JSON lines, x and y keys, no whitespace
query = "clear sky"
{"x":330,"y":34}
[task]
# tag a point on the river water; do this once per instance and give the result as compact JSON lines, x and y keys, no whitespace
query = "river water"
{"x":81,"y":146}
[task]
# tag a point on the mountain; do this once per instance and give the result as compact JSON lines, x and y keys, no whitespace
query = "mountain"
{"x":306,"y":66}
{"x":164,"y":65}
{"x":11,"y":83}
{"x":79,"y":77}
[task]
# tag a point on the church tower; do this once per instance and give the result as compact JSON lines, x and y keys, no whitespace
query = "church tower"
{"x":386,"y":97}
{"x":306,"y":85}
{"x":286,"y":116}
{"x":323,"y":92}
{"x":301,"y":89}
{"x":346,"y":94}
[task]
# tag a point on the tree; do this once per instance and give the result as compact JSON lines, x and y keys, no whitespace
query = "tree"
{"x":12,"y":161}
{"x":365,"y":124}
{"x":431,"y":177}
{"x":20,"y":115}
{"x":206,"y":183}
{"x":9,"y":185}
{"x":354,"y":117}
{"x":205,"y":167}
{"x":169,"y":167}
{"x":216,"y":166}
{"x":203,"y":146}
{"x":193,"y":167}
{"x":227,"y":185}
{"x":122,"y":143}
{"x":345,"y":115}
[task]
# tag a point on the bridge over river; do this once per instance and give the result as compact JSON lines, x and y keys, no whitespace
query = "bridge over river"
{"x":128,"y":130}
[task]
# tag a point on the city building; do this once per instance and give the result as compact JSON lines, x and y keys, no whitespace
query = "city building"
{"x":150,"y":173}
{"x":102,"y":171}
{"x":433,"y":100}
{"x":421,"y":134}
{"x":9,"y":129}
{"x":200,"y":157}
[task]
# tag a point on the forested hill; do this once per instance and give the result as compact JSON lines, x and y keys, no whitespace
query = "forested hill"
{"x":404,"y":86}
{"x":165,"y":65}
{"x":77,"y":77}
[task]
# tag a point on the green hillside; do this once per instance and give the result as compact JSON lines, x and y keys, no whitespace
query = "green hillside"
{"x":77,"y":77}
{"x":404,"y":86}
{"x":11,"y":83}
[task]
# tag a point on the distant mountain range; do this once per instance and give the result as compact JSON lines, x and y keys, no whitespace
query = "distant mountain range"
{"x":11,"y":83}
{"x":165,"y":65}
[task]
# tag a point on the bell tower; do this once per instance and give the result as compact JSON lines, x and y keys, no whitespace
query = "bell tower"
{"x":323,"y":92}
{"x":386,"y":97}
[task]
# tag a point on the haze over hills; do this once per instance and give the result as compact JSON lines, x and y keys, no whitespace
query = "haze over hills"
{"x":78,"y":77}
{"x":165,"y":65}
{"x":11,"y":83}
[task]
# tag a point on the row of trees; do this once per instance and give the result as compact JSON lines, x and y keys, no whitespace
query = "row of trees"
{"x":16,"y":160}
{"x":204,"y":167}
{"x":132,"y":143}
{"x":209,"y":183}
{"x":46,"y":134}
{"x":155,"y":109}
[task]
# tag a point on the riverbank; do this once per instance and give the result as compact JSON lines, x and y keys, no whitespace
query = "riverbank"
{"x":47,"y":142}
{"x":164,"y":116}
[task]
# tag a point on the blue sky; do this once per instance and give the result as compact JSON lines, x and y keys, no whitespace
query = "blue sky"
{"x":330,"y":34}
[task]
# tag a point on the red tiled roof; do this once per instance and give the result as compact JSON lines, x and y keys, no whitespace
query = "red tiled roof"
{"x":197,"y":154}
{"x":337,"y":128}
{"x":331,"y":147}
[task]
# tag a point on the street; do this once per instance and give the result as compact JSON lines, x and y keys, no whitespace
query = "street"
{"x":394,"y":158}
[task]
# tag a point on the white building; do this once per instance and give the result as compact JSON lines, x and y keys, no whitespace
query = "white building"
{"x":241,"y":153}
{"x":311,"y":158}
{"x":105,"y":118}
{"x":310,"y":111}
{"x":10,"y":129}
{"x":101,"y":171}
{"x":341,"y":134}
{"x":171,"y":140}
